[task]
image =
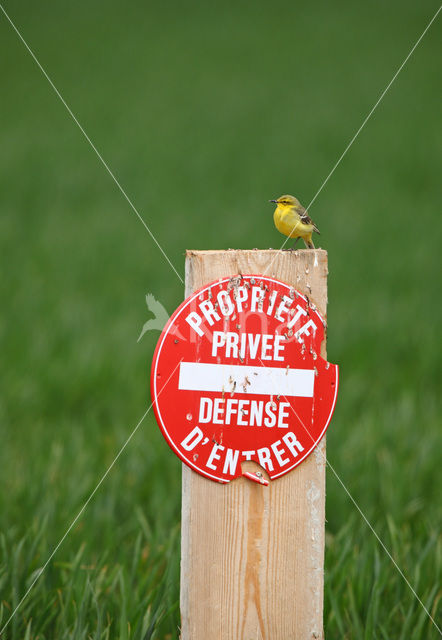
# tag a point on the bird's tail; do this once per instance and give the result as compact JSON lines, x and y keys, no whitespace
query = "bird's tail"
{"x":309,"y":243}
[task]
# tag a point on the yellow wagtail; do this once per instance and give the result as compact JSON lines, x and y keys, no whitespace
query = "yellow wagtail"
{"x":292,"y":220}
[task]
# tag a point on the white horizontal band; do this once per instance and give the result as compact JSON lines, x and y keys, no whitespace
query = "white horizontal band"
{"x":200,"y":376}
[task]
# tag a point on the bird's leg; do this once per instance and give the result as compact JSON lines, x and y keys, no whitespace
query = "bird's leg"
{"x":295,"y":243}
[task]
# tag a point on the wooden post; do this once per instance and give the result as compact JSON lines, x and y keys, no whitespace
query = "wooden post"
{"x":252,"y":556}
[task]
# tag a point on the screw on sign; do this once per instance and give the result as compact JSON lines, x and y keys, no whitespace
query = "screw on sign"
{"x":244,"y":380}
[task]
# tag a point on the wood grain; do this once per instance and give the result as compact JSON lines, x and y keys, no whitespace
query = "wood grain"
{"x":252,"y":556}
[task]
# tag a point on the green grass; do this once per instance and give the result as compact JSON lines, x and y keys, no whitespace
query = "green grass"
{"x":204,"y":112}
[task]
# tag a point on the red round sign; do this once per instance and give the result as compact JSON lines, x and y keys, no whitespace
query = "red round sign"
{"x":237,"y":375}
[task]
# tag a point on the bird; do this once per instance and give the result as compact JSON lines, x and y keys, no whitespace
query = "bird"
{"x":292,"y":220}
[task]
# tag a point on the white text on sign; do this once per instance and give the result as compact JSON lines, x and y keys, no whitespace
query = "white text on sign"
{"x":281,"y":452}
{"x":283,"y":311}
{"x":243,"y":413}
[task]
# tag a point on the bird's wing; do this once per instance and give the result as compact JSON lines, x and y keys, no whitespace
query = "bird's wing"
{"x":291,"y":218}
{"x":305,"y":217}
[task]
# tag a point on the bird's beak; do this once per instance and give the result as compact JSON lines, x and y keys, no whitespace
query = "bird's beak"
{"x":272,"y":201}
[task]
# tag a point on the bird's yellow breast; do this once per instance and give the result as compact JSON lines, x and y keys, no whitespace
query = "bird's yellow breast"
{"x":288,"y":222}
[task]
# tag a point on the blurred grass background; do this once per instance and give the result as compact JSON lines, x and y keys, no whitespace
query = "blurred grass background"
{"x":204,"y":112}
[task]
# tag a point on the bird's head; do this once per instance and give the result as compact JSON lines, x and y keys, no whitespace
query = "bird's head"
{"x":286,"y":201}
